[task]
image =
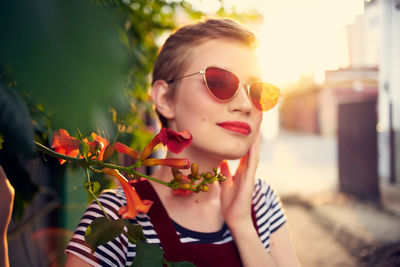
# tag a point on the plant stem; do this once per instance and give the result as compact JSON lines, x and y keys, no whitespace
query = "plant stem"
{"x":93,"y":195}
{"x":91,"y":162}
{"x":55,"y":154}
{"x":150,"y":178}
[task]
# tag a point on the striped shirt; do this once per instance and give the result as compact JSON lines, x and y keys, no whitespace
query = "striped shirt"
{"x":119,"y":252}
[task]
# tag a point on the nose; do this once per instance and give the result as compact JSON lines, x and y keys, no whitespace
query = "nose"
{"x":241,"y":101}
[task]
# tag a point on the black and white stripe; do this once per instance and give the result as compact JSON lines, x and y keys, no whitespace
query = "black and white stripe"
{"x":119,"y":252}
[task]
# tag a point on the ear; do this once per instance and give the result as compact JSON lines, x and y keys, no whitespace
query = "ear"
{"x":161,"y":99}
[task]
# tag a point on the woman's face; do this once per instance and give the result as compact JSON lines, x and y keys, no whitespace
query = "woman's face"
{"x":220,"y":130}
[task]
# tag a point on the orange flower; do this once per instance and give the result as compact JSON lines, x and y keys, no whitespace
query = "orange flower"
{"x":182,"y":191}
{"x":126,"y":150}
{"x":171,"y":162}
{"x":135,"y":204}
{"x":149,"y":148}
{"x":175,"y":141}
{"x":99,"y":143}
{"x":65,"y":144}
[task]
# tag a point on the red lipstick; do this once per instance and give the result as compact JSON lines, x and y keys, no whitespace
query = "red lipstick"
{"x":236,"y":126}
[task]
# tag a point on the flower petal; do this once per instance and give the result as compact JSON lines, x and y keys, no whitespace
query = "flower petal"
{"x":170,"y":162}
{"x":65,"y":144}
{"x":181,"y":191}
{"x":104,"y":143}
{"x":149,"y":148}
{"x":135,"y":204}
{"x":126,"y":150}
{"x":175,"y":141}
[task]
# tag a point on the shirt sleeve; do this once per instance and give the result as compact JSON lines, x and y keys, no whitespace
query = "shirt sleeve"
{"x":269,"y":211}
{"x":112,"y":253}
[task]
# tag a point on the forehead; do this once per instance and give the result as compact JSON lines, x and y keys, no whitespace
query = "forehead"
{"x":225,"y":53}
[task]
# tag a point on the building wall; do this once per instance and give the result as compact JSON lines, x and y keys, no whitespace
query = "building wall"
{"x":389,"y":81}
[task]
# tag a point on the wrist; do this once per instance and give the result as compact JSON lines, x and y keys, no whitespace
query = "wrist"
{"x":239,"y":226}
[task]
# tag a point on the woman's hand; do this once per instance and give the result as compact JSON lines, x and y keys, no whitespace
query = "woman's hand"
{"x":237,"y":190}
{"x":6,"y":203}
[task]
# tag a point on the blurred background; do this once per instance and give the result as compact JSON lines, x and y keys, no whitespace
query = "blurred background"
{"x":331,"y":149}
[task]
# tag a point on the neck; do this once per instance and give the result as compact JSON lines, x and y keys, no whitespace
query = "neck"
{"x":206,"y":164}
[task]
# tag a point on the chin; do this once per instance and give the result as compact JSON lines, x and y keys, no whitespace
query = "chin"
{"x":238,"y":154}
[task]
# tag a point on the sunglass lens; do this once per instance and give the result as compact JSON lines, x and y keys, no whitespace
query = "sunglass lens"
{"x":264,"y":95}
{"x":222,"y":83}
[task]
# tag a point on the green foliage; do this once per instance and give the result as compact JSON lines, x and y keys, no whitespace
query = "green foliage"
{"x":92,"y":186}
{"x":65,"y":54}
{"x":136,"y":232}
{"x":84,"y":149}
{"x":103,"y":230}
{"x":148,"y":255}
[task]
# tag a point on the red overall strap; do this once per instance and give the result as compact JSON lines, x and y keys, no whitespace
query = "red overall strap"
{"x":202,"y":255}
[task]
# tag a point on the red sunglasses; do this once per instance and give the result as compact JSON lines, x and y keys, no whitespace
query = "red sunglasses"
{"x":223,"y":86}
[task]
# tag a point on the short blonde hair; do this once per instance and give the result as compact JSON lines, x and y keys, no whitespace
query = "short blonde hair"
{"x":174,"y":54}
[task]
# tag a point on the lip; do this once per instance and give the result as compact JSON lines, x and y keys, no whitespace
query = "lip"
{"x":236,"y":126}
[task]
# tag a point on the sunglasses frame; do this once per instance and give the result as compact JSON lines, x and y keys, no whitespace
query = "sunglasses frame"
{"x":247,"y":86}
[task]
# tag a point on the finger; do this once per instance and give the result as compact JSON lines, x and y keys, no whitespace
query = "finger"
{"x":254,"y":154}
{"x":224,"y":167}
{"x":241,"y":169}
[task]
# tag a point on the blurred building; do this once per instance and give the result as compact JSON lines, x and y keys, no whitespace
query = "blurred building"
{"x":389,"y":90}
{"x":360,"y":103}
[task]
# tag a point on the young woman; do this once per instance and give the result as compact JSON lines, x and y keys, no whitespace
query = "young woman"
{"x":205,"y":80}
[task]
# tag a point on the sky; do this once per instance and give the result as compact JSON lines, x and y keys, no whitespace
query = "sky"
{"x":297,"y":37}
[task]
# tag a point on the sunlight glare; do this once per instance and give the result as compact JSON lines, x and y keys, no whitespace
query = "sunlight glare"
{"x":304,"y":37}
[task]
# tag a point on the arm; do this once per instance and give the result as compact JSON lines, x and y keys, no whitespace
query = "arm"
{"x":75,"y":261}
{"x":6,"y":204}
{"x":236,"y":199}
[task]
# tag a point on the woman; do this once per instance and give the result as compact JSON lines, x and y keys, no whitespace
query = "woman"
{"x":237,"y":222}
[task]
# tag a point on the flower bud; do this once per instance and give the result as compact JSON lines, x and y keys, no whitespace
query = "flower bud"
{"x":203,"y":187}
{"x":108,"y":152}
{"x":195,"y":169}
{"x":96,"y":147}
{"x":178,"y":176}
{"x":209,"y":175}
{"x":184,"y":186}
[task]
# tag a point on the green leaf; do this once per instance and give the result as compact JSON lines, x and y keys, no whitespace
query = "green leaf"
{"x":136,"y":232}
{"x":148,"y":255}
{"x":84,"y":149}
{"x":181,"y":264}
{"x":103,"y":230}
{"x":66,"y":55}
{"x":92,"y":186}
{"x":1,"y":141}
{"x":96,"y":186}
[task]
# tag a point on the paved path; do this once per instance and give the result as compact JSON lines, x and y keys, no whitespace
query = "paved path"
{"x":328,"y":228}
{"x":305,"y":165}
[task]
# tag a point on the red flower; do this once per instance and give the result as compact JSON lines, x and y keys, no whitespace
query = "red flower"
{"x":126,"y":150}
{"x":99,"y":143}
{"x":175,"y":141}
{"x":65,"y":144}
{"x":135,"y":204}
{"x":170,"y":162}
{"x":182,"y":191}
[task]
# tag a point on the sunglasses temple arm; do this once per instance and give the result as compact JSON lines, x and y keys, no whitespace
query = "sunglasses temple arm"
{"x":181,"y":77}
